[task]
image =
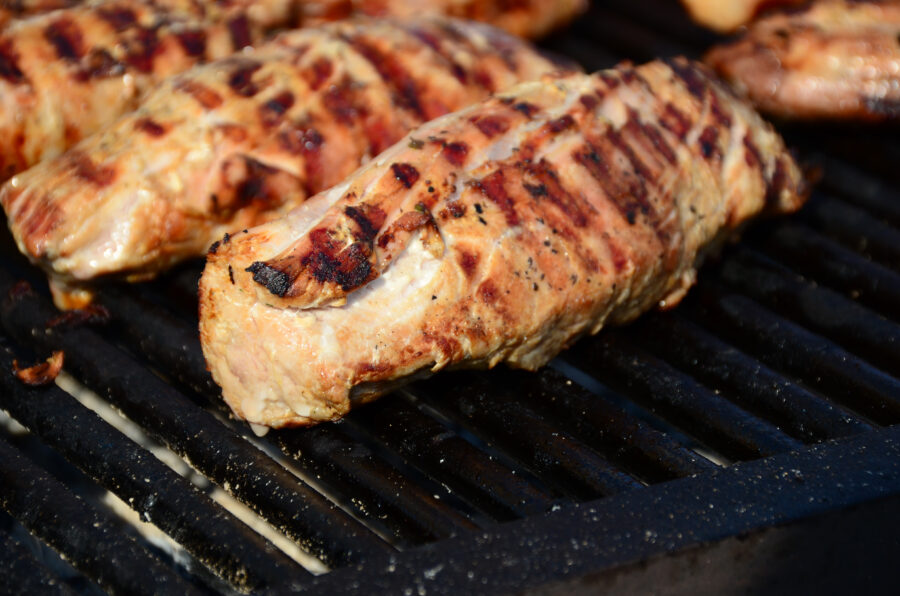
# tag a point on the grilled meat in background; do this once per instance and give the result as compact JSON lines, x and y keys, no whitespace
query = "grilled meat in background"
{"x":11,"y":10}
{"x":241,"y":141}
{"x":836,"y":59}
{"x":728,"y":15}
{"x":499,"y":233}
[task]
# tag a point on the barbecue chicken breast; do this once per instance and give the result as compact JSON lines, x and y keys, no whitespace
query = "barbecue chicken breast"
{"x":836,"y":59}
{"x":240,"y":141}
{"x":728,"y":15}
{"x":67,"y":73}
{"x":499,"y":233}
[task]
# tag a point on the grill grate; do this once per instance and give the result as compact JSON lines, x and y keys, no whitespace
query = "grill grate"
{"x":742,"y":409}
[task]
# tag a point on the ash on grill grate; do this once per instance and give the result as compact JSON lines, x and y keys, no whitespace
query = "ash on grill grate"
{"x":633,"y":444}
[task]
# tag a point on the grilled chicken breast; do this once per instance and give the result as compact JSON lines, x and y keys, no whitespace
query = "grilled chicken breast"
{"x":728,"y":15}
{"x":11,"y":10}
{"x":837,"y":59}
{"x":240,"y":141}
{"x":67,"y":73}
{"x":499,"y":233}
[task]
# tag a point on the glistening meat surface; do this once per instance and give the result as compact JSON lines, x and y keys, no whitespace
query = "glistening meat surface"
{"x":499,"y":233}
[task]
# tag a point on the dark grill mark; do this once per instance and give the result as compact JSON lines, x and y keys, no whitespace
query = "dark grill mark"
{"x":150,"y":127}
{"x":719,"y":114}
{"x":99,"y":64}
{"x":434,"y":43}
{"x":205,"y":96}
{"x":751,"y":153}
{"x":9,"y":63}
{"x":405,"y":173}
{"x":589,"y":102}
{"x":255,"y":186}
{"x":404,"y":88}
{"x":675,"y":121}
{"x":306,"y":142}
{"x":119,"y":17}
{"x":272,"y":111}
{"x":87,"y":170}
{"x":629,"y":197}
{"x":560,"y":124}
{"x":709,"y":143}
{"x":455,"y":153}
{"x":241,"y":79}
{"x":339,"y":101}
{"x":65,"y":36}
{"x":319,"y":72}
{"x":346,"y":266}
{"x":469,"y":262}
{"x":544,"y":173}
{"x":142,"y":49}
{"x":490,"y":126}
{"x":240,"y":32}
{"x":193,"y":42}
{"x":277,"y":282}
{"x":492,"y":187}
{"x":528,"y":109}
{"x":611,"y":80}
{"x":695,"y":81}
{"x":369,"y":219}
{"x":659,"y":143}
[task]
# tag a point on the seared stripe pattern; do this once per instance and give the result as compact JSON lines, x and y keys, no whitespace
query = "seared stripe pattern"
{"x":242,"y":140}
{"x":498,"y":233}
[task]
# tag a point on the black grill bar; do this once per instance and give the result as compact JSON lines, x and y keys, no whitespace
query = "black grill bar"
{"x":208,"y":532}
{"x":88,"y":537}
{"x":23,"y":574}
{"x":789,"y":348}
{"x":195,"y":434}
{"x":816,"y":257}
{"x":816,"y":308}
{"x":859,"y":188}
{"x":666,"y":391}
{"x":558,"y":458}
{"x":745,"y":380}
{"x":448,"y":458}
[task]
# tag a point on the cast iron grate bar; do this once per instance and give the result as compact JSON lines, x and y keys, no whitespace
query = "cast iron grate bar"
{"x":87,"y":536}
{"x":212,"y":535}
{"x":24,"y":574}
{"x":859,"y":188}
{"x":216,"y":451}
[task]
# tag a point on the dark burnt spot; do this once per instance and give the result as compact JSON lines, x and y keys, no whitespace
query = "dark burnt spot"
{"x":560,"y":124}
{"x":226,"y":239}
{"x":490,"y":126}
{"x":609,"y":78}
{"x":528,"y":109}
{"x":675,"y":121}
{"x":255,"y":186}
{"x":9,"y":63}
{"x":492,"y":186}
{"x":693,"y":78}
{"x":272,"y":111}
{"x":239,"y":29}
{"x":709,"y":143}
{"x":404,"y":88}
{"x":99,"y":64}
{"x":488,"y":292}
{"x":205,"y":96}
{"x":241,"y":79}
{"x":330,"y":262}
{"x":339,"y":100}
{"x":277,"y":282}
{"x":89,"y":171}
{"x":369,"y":218}
{"x":119,"y":17}
{"x":751,"y":153}
{"x":455,"y":153}
{"x":149,"y":126}
{"x":456,"y":209}
{"x":627,"y":195}
{"x":214,"y":247}
{"x":92,"y":314}
{"x":231,"y":274}
{"x":65,"y":36}
{"x":589,"y":102}
{"x":193,"y":42}
{"x":319,"y":72}
{"x":405,"y":173}
{"x":142,"y":49}
{"x":468,"y":262}
{"x":43,"y":373}
{"x":535,"y":190}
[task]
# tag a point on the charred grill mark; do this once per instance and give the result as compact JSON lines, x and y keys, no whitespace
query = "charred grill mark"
{"x":694,"y":80}
{"x":193,"y":42}
{"x":675,"y":121}
{"x":328,"y":261}
{"x":709,"y":143}
{"x":454,"y":209}
{"x":43,"y":220}
{"x":488,"y":292}
{"x":468,"y":262}
{"x":277,"y":282}
{"x":142,"y":49}
{"x":560,"y":124}
{"x":455,"y":153}
{"x":547,"y":178}
{"x":149,"y":126}
{"x":369,"y":218}
{"x":119,"y":17}
{"x":720,"y":115}
{"x":656,"y":138}
{"x":306,"y":142}
{"x":273,"y":110}
{"x":404,"y":88}
{"x":239,"y":30}
{"x":627,"y":202}
{"x":433,"y":42}
{"x":9,"y":63}
{"x":87,"y":170}
{"x":528,"y":109}
{"x":751,"y":153}
{"x":491,"y":126}
{"x":405,"y":173}
{"x":65,"y":36}
{"x":205,"y":96}
{"x":259,"y":183}
{"x":609,"y":78}
{"x":492,"y":187}
{"x":339,"y":100}
{"x":241,"y":79}
{"x":319,"y":72}
{"x":99,"y":64}
{"x":589,"y":102}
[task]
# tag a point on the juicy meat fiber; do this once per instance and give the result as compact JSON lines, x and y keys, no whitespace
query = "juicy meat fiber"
{"x":837,"y":59}
{"x":499,"y":233}
{"x":728,"y":15}
{"x":240,"y":141}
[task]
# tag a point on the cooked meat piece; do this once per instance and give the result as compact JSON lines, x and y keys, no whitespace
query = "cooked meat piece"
{"x":67,"y":73}
{"x":18,"y":9}
{"x":838,"y":59}
{"x":525,"y":18}
{"x":728,"y":15}
{"x":499,"y":233}
{"x":240,"y":141}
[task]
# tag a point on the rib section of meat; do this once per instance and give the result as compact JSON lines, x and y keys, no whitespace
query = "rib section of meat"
{"x":502,"y":232}
{"x":836,"y":59}
{"x":240,"y":141}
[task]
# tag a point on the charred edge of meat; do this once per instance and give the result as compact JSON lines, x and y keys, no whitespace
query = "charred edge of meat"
{"x":93,"y":314}
{"x":277,"y":282}
{"x":405,"y":173}
{"x":42,"y":373}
